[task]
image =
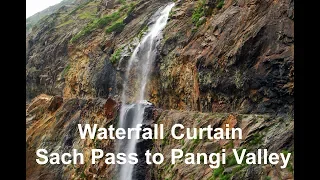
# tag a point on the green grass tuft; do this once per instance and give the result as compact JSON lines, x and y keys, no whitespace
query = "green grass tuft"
{"x":182,"y":142}
{"x":116,"y":27}
{"x":165,"y":140}
{"x":198,"y":12}
{"x":200,"y":22}
{"x":115,"y":57}
{"x":131,"y":8}
{"x":290,"y":167}
{"x":220,"y":4}
{"x":218,"y":171}
{"x":195,"y":143}
{"x":142,"y":32}
{"x":257,"y":139}
{"x":225,"y":176}
{"x":65,"y":23}
{"x":86,"y":15}
{"x":202,"y":159}
{"x":231,"y":160}
{"x":95,"y":24}
{"x":66,"y":70}
{"x":285,"y":152}
{"x":267,"y":178}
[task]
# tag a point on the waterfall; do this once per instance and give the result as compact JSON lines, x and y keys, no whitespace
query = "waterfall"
{"x":134,"y":87}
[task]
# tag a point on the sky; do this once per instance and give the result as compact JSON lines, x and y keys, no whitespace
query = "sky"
{"x":34,"y":6}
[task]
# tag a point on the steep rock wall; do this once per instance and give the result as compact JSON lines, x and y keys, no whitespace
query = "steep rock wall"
{"x":239,"y":59}
{"x":56,"y":130}
{"x":219,"y":61}
{"x":52,"y":125}
{"x":216,"y":56}
{"x":258,"y":132}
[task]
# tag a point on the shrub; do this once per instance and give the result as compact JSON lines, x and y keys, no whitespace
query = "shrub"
{"x":102,"y":22}
{"x":129,"y":8}
{"x":107,"y":19}
{"x":202,"y":159}
{"x":218,"y":171}
{"x":97,"y":23}
{"x":290,"y":167}
{"x":123,"y":7}
{"x":196,"y":16}
{"x":198,"y":12}
{"x":116,"y":27}
{"x":285,"y":152}
{"x":142,"y":32}
{"x":182,"y":141}
{"x":257,"y":139}
{"x":267,"y":178}
{"x":200,"y":22}
{"x":115,"y":57}
{"x":83,"y":175}
{"x":220,"y":4}
{"x":231,"y":160}
{"x":225,"y":176}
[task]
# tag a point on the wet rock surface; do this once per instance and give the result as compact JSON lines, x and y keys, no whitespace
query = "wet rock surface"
{"x":240,"y":59}
{"x":142,"y":169}
{"x":216,"y":63}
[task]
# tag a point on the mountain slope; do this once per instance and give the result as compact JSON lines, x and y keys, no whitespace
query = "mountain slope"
{"x":32,"y":20}
{"x":237,"y":57}
{"x":218,"y":61}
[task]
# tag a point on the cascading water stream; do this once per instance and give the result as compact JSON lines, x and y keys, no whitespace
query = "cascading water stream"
{"x":139,"y":64}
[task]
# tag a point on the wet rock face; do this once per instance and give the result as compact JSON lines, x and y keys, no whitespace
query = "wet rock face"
{"x":105,"y":81}
{"x":240,"y":59}
{"x":47,"y":56}
{"x":236,"y":57}
{"x":142,"y":169}
{"x":57,"y":66}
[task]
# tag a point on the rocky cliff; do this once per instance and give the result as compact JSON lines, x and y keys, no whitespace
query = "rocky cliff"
{"x":215,"y":55}
{"x":52,"y":125}
{"x":228,"y":56}
{"x":218,"y":61}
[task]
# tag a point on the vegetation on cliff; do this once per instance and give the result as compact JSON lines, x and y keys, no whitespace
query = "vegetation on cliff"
{"x":219,"y":61}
